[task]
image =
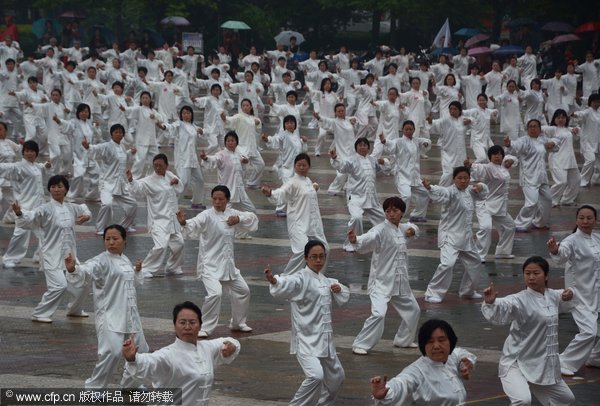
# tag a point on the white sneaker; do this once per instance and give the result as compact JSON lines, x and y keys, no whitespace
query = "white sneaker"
{"x":131,"y":230}
{"x":178,"y":271}
{"x":411,"y":345}
{"x":41,"y":319}
{"x":505,"y":256}
{"x":359,"y":351}
{"x":202,"y":334}
{"x":9,"y":264}
{"x":473,"y":295}
{"x":147,"y":275}
{"x":244,"y":328}
{"x":80,"y":314}
{"x":566,"y":371}
{"x":433,"y":299}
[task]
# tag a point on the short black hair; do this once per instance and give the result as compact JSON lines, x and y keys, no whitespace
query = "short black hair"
{"x":80,"y":108}
{"x":142,"y":69}
{"x":310,"y":244}
{"x":302,"y":156}
{"x":116,"y":127}
{"x":460,"y":169}
{"x":493,"y":150}
{"x":541,"y":262}
{"x":395,"y":202}
{"x":221,"y":188}
{"x":361,"y":140}
{"x":292,"y":93}
{"x":58,"y":179}
{"x":233,"y":135}
{"x":162,"y":157}
{"x":186,"y":305}
{"x":289,"y":118}
{"x":31,"y":146}
{"x":186,"y":108}
{"x":117,"y":227}
{"x":427,"y":329}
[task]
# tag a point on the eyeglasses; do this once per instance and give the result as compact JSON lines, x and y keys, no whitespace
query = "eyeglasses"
{"x":183,"y":323}
{"x":319,"y":257}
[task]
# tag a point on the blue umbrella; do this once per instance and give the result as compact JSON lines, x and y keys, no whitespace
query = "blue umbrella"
{"x":38,"y":27}
{"x":467,"y":32}
{"x":509,"y":50}
{"x":444,"y":51}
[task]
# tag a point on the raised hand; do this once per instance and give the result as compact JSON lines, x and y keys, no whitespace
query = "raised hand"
{"x":553,"y":246}
{"x":464,"y":367}
{"x":181,"y":216}
{"x":228,"y":349}
{"x":489,"y":294}
{"x":266,"y":190}
{"x":138,"y":265}
{"x":129,"y":349}
{"x":378,"y":388}
{"x":269,"y":275}
{"x":70,"y":263}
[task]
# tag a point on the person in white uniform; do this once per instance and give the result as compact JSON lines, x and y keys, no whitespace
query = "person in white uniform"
{"x":530,"y":362}
{"x":509,"y":105}
{"x":405,"y":154}
{"x":533,"y":179}
{"x":188,"y":364}
{"x":435,"y":379}
{"x":528,"y":62}
{"x":113,"y":279}
{"x":161,"y":190}
{"x":589,"y":120}
{"x":57,"y":220}
{"x":480,"y":117}
{"x":361,"y":194}
{"x":589,"y":70}
{"x":27,"y":174}
{"x":114,"y":189}
{"x":216,"y":228}
{"x":580,"y":254}
{"x":304,"y":221}
{"x":493,"y":211}
{"x":311,"y":295}
{"x":388,"y":278}
{"x":455,"y":237}
{"x":9,"y":153}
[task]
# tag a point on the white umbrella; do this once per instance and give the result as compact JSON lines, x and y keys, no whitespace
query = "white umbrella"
{"x":284,"y":37}
{"x":176,"y":21}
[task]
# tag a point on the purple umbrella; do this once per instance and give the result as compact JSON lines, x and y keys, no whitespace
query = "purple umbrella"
{"x":479,"y":51}
{"x":558,"y":26}
{"x":476,"y":39}
{"x":176,"y":21}
{"x":559,"y":39}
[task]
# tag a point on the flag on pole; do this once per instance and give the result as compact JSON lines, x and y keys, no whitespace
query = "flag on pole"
{"x":442,"y":39}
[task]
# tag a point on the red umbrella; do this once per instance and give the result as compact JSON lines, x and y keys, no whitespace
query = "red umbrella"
{"x":479,"y":51}
{"x":476,"y":39}
{"x":589,"y":27}
{"x":559,"y":39}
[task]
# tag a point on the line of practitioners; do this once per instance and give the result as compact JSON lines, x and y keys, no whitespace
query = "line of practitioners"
{"x":51,"y":217}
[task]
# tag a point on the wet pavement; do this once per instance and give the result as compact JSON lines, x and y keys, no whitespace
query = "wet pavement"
{"x":63,"y":354}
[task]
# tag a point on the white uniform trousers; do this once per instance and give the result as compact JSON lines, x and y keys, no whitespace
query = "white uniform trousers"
{"x":519,"y":391}
{"x":321,"y":140}
{"x":505,"y":226}
{"x":297,"y":262}
{"x":245,"y":204}
{"x":61,"y":158}
{"x":258,"y":165}
{"x":143,"y":156}
{"x":536,"y":210}
{"x":58,"y":288}
{"x":480,"y":151}
{"x":590,"y":171}
{"x":338,"y":184}
{"x":324,"y":377}
{"x":19,"y":242}
{"x":14,"y":115}
{"x":579,"y":349}
{"x":350,"y":104}
{"x":105,"y":214}
{"x":368,"y":130}
{"x":86,"y":185}
{"x":566,"y":185}
{"x":420,"y":198}
{"x":442,"y":278}
{"x":110,"y":347}
{"x":192,"y":178}
{"x":407,"y":308}
{"x":35,"y":129}
{"x":164,"y":240}
{"x":374,"y":215}
{"x":7,"y":195}
{"x":239,"y":294}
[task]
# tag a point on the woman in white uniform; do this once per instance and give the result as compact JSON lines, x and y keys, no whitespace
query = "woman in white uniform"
{"x":589,"y":120}
{"x":580,"y":254}
{"x":529,"y":362}
{"x":311,"y":295}
{"x":435,"y":379}
{"x":388,"y":278}
{"x":509,"y":104}
{"x":188,"y":364}
{"x":216,"y":228}
{"x":113,"y":279}
{"x":455,"y":238}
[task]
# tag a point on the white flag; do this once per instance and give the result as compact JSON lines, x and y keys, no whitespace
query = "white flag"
{"x":442,"y":39}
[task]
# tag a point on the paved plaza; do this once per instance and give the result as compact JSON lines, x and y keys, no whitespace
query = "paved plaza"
{"x":63,"y":354}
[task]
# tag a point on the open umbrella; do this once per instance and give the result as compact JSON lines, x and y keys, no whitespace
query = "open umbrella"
{"x":73,"y":15}
{"x":38,"y":27}
{"x":558,"y":26}
{"x":284,"y":37}
{"x":476,"y":39}
{"x":235,"y":25}
{"x":559,"y":39}
{"x":588,"y":27}
{"x":509,"y":50}
{"x":518,"y":22}
{"x":444,"y":51}
{"x":467,"y":32}
{"x":479,"y":51}
{"x":176,"y":21}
